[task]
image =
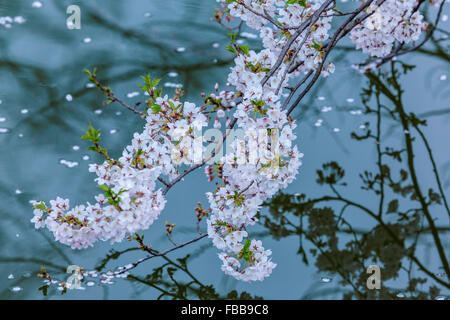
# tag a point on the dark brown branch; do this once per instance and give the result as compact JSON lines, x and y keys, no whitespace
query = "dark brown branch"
{"x":154,"y":253}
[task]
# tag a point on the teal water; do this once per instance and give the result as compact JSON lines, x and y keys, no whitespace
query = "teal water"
{"x":41,"y":62}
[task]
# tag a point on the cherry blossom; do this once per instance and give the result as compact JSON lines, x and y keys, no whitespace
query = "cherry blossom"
{"x":293,"y":35}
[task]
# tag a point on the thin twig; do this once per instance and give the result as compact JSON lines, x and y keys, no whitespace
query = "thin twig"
{"x":154,"y":253}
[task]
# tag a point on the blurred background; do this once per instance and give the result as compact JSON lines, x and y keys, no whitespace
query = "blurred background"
{"x":46,"y":104}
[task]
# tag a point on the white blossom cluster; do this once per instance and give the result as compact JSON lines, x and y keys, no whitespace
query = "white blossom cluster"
{"x":235,"y":203}
{"x":393,"y":20}
{"x":245,"y":187}
{"x":305,"y":52}
{"x":130,"y":202}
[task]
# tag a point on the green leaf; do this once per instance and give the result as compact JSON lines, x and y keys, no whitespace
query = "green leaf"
{"x":247,"y":245}
{"x":149,"y":84}
{"x":244,"y":49}
{"x":172,"y":105}
{"x":316,"y":45}
{"x":156,"y":108}
{"x":91,"y":134}
{"x":104,"y":188}
{"x":301,"y":3}
{"x":40,"y":206}
{"x":155,"y":82}
{"x":231,"y":49}
{"x":232,"y":36}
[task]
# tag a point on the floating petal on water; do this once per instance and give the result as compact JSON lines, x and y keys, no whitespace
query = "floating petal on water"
{"x":36,"y":4}
{"x":69,"y":164}
{"x":26,"y":274}
{"x":132,"y":94}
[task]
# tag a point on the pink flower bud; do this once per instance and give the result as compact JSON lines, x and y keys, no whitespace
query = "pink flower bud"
{"x":217,"y":124}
